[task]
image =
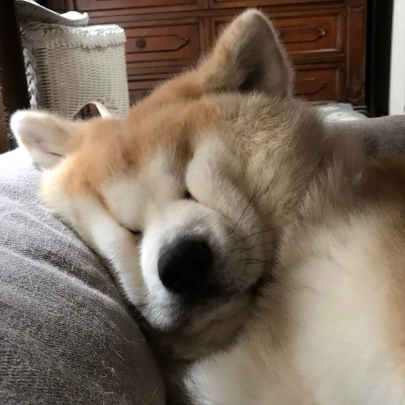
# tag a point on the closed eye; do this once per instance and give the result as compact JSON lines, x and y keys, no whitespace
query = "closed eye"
{"x":188,"y":196}
{"x":135,"y":232}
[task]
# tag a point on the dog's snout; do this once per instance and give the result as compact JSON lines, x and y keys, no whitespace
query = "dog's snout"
{"x":185,"y":266}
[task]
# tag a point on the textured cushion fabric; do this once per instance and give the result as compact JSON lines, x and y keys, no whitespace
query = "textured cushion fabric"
{"x":380,"y":135}
{"x":66,"y":335}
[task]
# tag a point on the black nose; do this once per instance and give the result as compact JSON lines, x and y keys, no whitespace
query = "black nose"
{"x":184,"y":267}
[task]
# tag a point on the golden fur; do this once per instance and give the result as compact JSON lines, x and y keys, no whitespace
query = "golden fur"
{"x":313,"y":279}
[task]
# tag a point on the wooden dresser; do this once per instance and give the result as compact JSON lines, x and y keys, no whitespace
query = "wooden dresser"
{"x":325,"y":38}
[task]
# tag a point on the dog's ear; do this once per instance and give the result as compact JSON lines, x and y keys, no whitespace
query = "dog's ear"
{"x":248,"y":57}
{"x":47,"y":138}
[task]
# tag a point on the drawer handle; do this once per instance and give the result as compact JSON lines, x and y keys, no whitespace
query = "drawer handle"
{"x":173,"y":43}
{"x":140,"y":43}
{"x":302,"y":33}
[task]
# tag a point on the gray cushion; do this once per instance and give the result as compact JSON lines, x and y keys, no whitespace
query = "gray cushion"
{"x":66,"y":335}
{"x":380,"y":135}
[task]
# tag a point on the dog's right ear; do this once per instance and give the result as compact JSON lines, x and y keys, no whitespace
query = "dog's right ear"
{"x":248,"y":57}
{"x":47,"y":137}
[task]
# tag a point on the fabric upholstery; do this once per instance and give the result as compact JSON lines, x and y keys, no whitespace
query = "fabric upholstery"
{"x":380,"y":135}
{"x":66,"y":335}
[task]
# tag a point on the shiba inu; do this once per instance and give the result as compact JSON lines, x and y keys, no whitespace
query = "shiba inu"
{"x":266,"y":254}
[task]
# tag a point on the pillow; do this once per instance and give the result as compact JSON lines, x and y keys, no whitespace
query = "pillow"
{"x":66,"y":334}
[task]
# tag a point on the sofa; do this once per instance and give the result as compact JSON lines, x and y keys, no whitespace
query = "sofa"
{"x":67,"y":335}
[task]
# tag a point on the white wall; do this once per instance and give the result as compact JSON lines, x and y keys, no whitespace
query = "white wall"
{"x":397,"y":76}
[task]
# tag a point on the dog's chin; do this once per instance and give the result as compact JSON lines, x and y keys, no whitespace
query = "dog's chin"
{"x":188,"y":317}
{"x":207,"y":326}
{"x":217,"y":311}
{"x":204,"y":329}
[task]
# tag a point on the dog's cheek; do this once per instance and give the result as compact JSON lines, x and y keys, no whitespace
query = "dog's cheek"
{"x":208,"y":178}
{"x":206,"y":169}
{"x":100,"y":231}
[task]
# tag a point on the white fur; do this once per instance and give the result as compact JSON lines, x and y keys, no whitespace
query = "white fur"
{"x":330,"y":347}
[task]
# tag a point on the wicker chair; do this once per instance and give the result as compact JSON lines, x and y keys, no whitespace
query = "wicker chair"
{"x":68,"y":67}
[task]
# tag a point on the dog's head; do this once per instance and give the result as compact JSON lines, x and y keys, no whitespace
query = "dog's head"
{"x":187,"y":194}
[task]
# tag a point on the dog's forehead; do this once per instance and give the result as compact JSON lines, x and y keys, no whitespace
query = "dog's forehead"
{"x":172,"y":127}
{"x":129,"y":147}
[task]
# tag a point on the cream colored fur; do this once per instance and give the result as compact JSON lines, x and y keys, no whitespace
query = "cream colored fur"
{"x":308,"y":234}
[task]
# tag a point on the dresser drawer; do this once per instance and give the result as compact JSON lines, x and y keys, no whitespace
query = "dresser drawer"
{"x":140,"y":85}
{"x":141,"y":5}
{"x":319,"y":33}
{"x":249,"y":3}
{"x":314,"y":83}
{"x":319,"y":83}
{"x":154,"y":44}
{"x":309,"y":33}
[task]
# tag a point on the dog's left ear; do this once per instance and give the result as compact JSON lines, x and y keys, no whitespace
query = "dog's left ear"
{"x":47,"y":137}
{"x":248,"y":57}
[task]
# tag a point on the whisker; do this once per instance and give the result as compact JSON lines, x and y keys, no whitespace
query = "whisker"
{"x":246,"y":208}
{"x":152,"y":307}
{"x":144,"y":296}
{"x":255,"y":260}
{"x":141,"y":304}
{"x":251,"y":248}
{"x":160,"y":318}
{"x":245,"y":250}
{"x":255,"y":234}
